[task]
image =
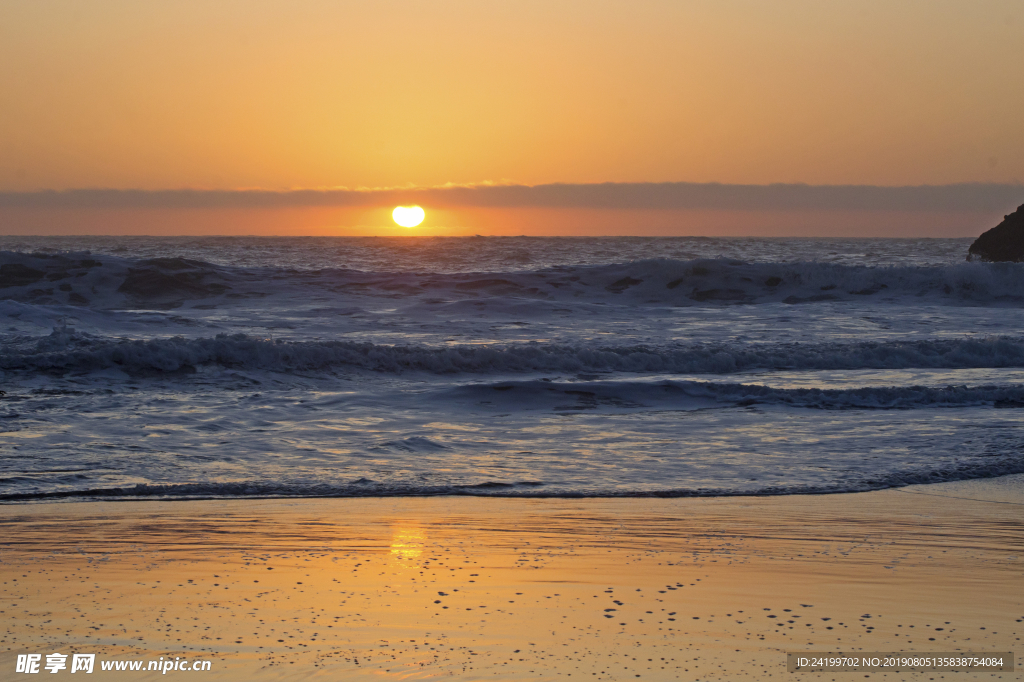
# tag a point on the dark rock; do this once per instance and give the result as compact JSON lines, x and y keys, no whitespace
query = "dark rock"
{"x":65,"y":287}
{"x":18,"y":275}
{"x":773,"y":281}
{"x":1004,"y":242}
{"x":77,"y":299}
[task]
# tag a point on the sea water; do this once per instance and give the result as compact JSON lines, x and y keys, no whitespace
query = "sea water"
{"x":245,"y":366}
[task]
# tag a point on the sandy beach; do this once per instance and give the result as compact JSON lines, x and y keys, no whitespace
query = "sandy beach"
{"x":471,"y":588}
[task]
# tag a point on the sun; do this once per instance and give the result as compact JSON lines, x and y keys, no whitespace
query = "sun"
{"x":408,"y":216}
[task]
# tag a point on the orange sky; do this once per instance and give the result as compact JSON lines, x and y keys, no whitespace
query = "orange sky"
{"x":317,"y":94}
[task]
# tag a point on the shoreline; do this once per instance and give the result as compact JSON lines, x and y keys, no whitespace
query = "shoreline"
{"x":111,"y":496}
{"x":417,"y":588}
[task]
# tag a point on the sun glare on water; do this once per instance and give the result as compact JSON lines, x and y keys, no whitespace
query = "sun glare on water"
{"x":408,"y":216}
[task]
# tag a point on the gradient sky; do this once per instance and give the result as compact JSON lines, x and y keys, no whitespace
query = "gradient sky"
{"x":278,"y":95}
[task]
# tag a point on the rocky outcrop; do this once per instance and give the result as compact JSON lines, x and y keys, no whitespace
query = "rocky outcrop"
{"x":1004,"y":242}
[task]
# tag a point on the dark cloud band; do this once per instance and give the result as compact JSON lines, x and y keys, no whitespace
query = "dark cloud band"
{"x":635,"y":196}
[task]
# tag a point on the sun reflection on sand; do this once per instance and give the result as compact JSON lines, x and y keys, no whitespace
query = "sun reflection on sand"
{"x":407,"y":542}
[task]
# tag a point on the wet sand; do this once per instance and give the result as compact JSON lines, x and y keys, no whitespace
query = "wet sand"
{"x":474,"y":588}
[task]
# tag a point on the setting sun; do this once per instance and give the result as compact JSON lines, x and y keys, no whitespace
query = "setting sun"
{"x":408,"y":216}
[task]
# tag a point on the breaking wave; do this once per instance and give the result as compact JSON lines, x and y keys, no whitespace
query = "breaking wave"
{"x":697,"y":394}
{"x":67,"y":350}
{"x":105,"y":282}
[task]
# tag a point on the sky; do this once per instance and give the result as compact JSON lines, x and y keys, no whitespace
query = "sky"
{"x":390,"y":100}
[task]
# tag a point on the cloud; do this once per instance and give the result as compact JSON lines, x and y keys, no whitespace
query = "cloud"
{"x":636,"y":196}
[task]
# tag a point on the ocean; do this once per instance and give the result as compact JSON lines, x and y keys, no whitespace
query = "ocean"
{"x":223,"y":367}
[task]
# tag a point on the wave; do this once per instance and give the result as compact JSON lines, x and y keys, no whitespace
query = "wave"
{"x":105,"y":282}
{"x":990,"y":467}
{"x":725,"y":281}
{"x":592,"y":395}
{"x":68,"y":350}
